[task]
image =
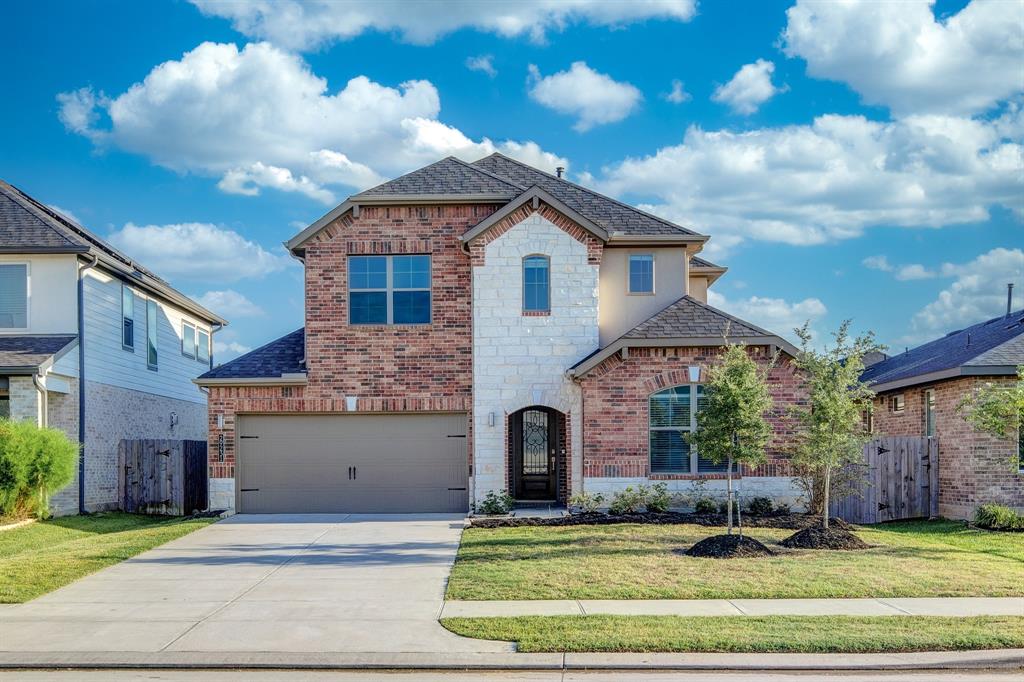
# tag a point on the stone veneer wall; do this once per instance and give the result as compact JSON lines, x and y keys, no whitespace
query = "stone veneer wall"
{"x":63,"y":415}
{"x":974,"y":468}
{"x":616,"y":433}
{"x":520,"y":360}
{"x":24,"y":399}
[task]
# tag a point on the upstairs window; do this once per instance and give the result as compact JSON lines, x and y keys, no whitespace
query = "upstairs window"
{"x":13,"y":295}
{"x":203,"y":346}
{"x":536,"y":284}
{"x":151,"y":334}
{"x":641,"y":273}
{"x":389,"y":289}
{"x":188,"y":339}
{"x":127,"y":318}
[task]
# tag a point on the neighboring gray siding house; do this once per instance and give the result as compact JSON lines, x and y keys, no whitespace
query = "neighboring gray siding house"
{"x":94,"y":344}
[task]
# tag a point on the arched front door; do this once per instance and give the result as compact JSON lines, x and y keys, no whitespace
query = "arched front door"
{"x":535,"y":457}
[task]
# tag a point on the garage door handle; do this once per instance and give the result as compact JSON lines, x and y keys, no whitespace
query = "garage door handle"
{"x":352,"y":473}
{"x":248,"y":436}
{"x":250,"y":490}
{"x":456,"y":488}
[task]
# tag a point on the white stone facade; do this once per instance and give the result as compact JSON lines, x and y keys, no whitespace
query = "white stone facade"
{"x":518,"y":360}
{"x":781,"y":489}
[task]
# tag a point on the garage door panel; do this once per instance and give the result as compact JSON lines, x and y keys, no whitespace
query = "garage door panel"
{"x":352,"y":463}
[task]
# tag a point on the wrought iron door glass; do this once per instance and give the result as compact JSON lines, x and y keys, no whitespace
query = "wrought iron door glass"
{"x":535,"y":442}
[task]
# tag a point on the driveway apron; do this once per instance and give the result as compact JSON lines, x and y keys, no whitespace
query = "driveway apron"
{"x":262,"y":583}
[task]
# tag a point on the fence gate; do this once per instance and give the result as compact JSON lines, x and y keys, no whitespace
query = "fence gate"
{"x":900,"y":480}
{"x":163,"y":476}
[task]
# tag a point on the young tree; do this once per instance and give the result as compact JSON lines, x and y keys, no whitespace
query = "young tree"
{"x":830,"y":431}
{"x":732,"y":425}
{"x":998,"y":410}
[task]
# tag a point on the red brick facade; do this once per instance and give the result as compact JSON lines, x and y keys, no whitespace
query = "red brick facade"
{"x":615,"y":399}
{"x":974,"y":468}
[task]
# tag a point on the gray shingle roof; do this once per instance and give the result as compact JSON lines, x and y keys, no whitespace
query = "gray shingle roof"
{"x":612,"y":215}
{"x":282,"y":356}
{"x":698,"y":262}
{"x":997,"y":342}
{"x":447,"y":176}
{"x":689,"y":318}
{"x":19,"y":352}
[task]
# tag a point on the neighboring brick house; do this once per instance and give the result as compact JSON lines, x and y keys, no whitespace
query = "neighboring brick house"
{"x":477,"y":327}
{"x":93,"y":344}
{"x":918,"y":394}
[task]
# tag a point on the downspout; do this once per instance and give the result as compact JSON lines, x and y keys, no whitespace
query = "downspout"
{"x":214,"y":328}
{"x":43,"y":400}
{"x":81,"y":383}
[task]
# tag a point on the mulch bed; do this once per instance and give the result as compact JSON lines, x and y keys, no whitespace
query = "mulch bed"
{"x":729,"y":547}
{"x":785,"y":521}
{"x":817,"y":537}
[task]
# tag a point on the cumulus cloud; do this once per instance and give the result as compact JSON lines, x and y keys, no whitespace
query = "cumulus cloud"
{"x":827,"y":181}
{"x":197,"y":250}
{"x":594,"y":98}
{"x":260,"y":118}
{"x":777,"y":315}
{"x":910,"y":271}
{"x":483,"y":63}
{"x":678,"y":94}
{"x":230,"y":304}
{"x":899,"y":55}
{"x":749,"y":88}
{"x":311,"y":24}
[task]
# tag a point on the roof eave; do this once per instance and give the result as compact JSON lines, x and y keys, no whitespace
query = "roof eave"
{"x":405,"y":199}
{"x":536,"y":194}
{"x":42,"y":250}
{"x":624,"y":239}
{"x":294,"y":245}
{"x":943,"y":374}
{"x":283,"y":380}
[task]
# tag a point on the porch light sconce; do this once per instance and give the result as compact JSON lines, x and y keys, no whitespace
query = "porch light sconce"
{"x":694,"y":375}
{"x":351,"y":402}
{"x":490,"y":419}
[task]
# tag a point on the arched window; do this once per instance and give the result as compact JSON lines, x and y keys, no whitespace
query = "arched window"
{"x":536,"y":284}
{"x":672,"y":414}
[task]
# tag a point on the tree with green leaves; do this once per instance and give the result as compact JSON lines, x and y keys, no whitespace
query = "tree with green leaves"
{"x":830,"y":426}
{"x":998,"y":410}
{"x":732,"y":425}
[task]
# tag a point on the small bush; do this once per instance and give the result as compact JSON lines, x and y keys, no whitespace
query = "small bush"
{"x":628,"y":501}
{"x":782,"y":510}
{"x":760,"y":506}
{"x":34,"y":463}
{"x":658,"y":498}
{"x":705,"y":505}
{"x":588,"y":503}
{"x":998,"y":517}
{"x":495,"y":503}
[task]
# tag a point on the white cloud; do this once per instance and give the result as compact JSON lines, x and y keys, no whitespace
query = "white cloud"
{"x":314,"y":23}
{"x":64,"y":212}
{"x":595,"y":98}
{"x":227,"y":350}
{"x":777,"y":315}
{"x":877,"y":263}
{"x":678,"y":94}
{"x":977,"y":293}
{"x":749,"y":88}
{"x":229,"y":304}
{"x":811,"y":184}
{"x":898,"y":55}
{"x":260,"y":118}
{"x":196,"y":250}
{"x":483,"y":63}
{"x":907,"y":272}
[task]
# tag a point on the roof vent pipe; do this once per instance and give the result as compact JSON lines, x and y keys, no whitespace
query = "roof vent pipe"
{"x":1009,"y":299}
{"x":559,"y":170}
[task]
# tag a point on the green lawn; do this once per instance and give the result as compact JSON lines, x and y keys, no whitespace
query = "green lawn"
{"x":909,"y":559}
{"x":804,"y":634}
{"x":41,"y":557}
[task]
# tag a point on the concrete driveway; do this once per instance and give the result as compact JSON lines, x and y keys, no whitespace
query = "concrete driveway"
{"x":262,"y":583}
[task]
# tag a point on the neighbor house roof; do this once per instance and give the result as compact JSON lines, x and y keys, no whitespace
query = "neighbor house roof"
{"x":28,"y":354}
{"x":28,"y":226}
{"x":991,"y":348}
{"x":280,"y":361}
{"x":686,"y":322}
{"x":698,"y":262}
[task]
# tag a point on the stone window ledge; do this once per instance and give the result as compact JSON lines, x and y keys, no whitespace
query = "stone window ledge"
{"x":693,"y":477}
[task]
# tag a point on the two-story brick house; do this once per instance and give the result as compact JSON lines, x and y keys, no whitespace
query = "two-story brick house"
{"x":94,"y":344}
{"x":482,"y":326}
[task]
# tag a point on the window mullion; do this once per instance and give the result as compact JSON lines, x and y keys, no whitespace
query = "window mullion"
{"x":390,"y":273}
{"x":693,"y":427}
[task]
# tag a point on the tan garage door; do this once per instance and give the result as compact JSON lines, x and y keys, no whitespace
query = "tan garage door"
{"x":352,"y":463}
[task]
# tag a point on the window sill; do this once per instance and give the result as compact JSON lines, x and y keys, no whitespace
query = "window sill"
{"x":536,"y":313}
{"x":384,"y":327}
{"x":716,"y":476}
{"x":639,"y":293}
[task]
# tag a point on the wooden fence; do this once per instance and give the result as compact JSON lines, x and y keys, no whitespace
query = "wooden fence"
{"x":163,"y":476}
{"x":900,"y":480}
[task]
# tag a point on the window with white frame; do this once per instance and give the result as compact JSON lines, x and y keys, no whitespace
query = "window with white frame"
{"x":929,"y":413}
{"x":127,"y":318}
{"x":389,"y":289}
{"x":203,"y":346}
{"x":641,"y":273}
{"x":152,"y":333}
{"x":537,"y":284}
{"x":897,"y":403}
{"x":188,"y":339}
{"x":672,"y":415}
{"x":13,"y":295}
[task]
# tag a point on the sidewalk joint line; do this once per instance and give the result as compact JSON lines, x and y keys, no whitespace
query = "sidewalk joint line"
{"x":579,"y":605}
{"x":737,"y":607}
{"x":893,"y":606}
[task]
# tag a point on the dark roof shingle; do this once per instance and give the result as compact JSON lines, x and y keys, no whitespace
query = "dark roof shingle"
{"x":282,"y":356}
{"x":20,"y":352}
{"x":447,"y":176}
{"x":689,"y":318}
{"x":699,"y":262}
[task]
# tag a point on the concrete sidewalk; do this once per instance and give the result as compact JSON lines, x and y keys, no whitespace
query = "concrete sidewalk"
{"x":928,"y":606}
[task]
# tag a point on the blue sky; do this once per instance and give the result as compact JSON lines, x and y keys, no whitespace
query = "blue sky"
{"x":849,"y":161}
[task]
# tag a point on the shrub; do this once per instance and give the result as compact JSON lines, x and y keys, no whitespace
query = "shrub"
{"x":628,"y":501}
{"x":34,"y":463}
{"x":998,"y":517}
{"x":705,"y":505}
{"x":588,"y":503}
{"x":760,"y":506}
{"x":658,"y":498}
{"x":495,"y":503}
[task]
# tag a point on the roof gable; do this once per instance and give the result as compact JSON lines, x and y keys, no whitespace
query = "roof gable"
{"x":448,"y":177}
{"x":536,"y":195}
{"x":689,"y":318}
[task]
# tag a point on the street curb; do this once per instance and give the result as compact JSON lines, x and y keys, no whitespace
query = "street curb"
{"x":1002,"y":659}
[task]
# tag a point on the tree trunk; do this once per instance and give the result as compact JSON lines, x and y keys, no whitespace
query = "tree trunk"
{"x":824,"y":496}
{"x":728,"y":503}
